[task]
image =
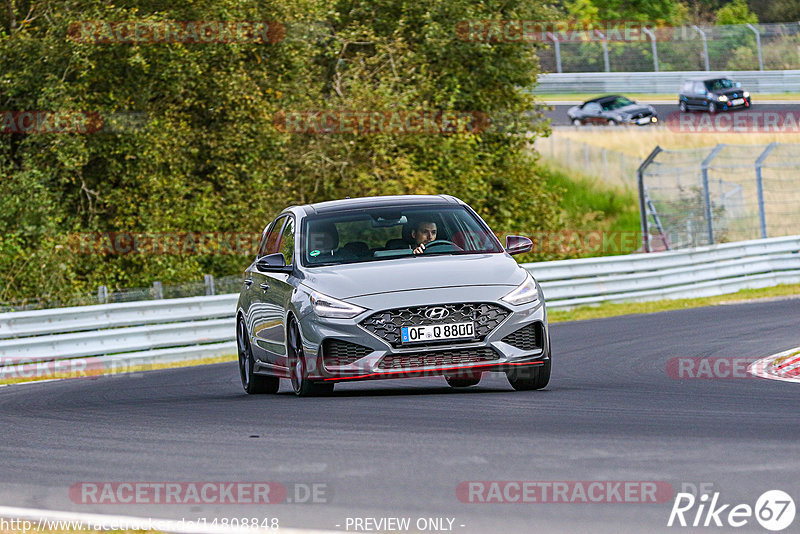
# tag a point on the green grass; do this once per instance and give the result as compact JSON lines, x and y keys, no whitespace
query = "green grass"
{"x":629,"y":308}
{"x":592,"y":210}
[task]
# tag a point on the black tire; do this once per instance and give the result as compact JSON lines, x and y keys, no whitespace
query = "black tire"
{"x":463,"y":380}
{"x":252,"y":383}
{"x":298,"y":372}
{"x":712,"y":107}
{"x":577,"y":123}
{"x":682,"y":107}
{"x":526,"y":378}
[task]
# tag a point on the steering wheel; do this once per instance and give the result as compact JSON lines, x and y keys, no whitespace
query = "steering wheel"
{"x":440,"y":242}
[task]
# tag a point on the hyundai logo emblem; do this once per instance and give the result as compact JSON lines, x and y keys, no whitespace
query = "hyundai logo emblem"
{"x":437,"y":314}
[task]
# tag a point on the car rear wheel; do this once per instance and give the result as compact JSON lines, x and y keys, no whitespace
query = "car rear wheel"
{"x":682,"y":106}
{"x":298,"y":369}
{"x":463,"y":380}
{"x":252,"y":383}
{"x":526,"y":378}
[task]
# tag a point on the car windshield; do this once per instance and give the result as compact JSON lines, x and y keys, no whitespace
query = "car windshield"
{"x":723,"y":83}
{"x":619,"y":102}
{"x":387,"y":233}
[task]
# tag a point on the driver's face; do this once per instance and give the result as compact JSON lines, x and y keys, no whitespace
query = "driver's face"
{"x":425,"y":233}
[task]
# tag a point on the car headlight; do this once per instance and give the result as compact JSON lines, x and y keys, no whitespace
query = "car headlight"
{"x":525,"y":293}
{"x":722,"y":98}
{"x":325,"y":306}
{"x":746,"y":94}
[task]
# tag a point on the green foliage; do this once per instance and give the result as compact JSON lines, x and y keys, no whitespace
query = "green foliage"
{"x":736,"y":12}
{"x":207,"y":156}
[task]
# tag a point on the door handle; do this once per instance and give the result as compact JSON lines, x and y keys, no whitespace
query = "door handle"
{"x":248,"y":282}
{"x":264,"y":286}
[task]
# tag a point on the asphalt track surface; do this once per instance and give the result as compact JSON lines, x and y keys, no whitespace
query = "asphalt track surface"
{"x":558,"y":115}
{"x":400,"y":448}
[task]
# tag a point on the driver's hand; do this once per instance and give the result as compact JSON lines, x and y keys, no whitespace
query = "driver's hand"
{"x":420,"y":249}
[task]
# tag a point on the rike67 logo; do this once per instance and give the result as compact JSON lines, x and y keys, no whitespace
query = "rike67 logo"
{"x":774,"y":510}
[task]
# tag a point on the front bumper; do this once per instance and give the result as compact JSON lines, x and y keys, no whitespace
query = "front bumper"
{"x":379,"y":359}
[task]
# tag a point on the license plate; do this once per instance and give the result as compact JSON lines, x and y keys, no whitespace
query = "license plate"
{"x":737,"y":102}
{"x":643,"y":120}
{"x":435,"y":332}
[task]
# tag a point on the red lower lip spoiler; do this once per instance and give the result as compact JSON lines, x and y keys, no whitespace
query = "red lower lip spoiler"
{"x":437,"y":371}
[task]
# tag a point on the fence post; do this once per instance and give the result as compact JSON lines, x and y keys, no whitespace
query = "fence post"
{"x":707,"y":193}
{"x":705,"y":44}
{"x":653,"y":47}
{"x":642,"y":203}
{"x":158,"y":290}
{"x":606,"y":63}
{"x":762,"y":217}
{"x":209,"y":281}
{"x":758,"y":45}
{"x":557,"y":50}
{"x":102,"y":295}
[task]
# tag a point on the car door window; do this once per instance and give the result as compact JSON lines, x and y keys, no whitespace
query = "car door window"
{"x":269,"y":243}
{"x":687,"y":88}
{"x":593,"y":108}
{"x":287,"y":241}
{"x":699,"y":88}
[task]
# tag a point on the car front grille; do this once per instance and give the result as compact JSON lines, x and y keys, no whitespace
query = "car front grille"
{"x":529,"y":337}
{"x":336,"y":352}
{"x":438,"y":358}
{"x":387,"y":324}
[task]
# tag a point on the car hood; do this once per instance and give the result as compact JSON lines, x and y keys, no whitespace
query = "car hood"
{"x":413,"y":273}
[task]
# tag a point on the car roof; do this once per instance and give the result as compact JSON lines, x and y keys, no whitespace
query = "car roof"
{"x":607,"y":98}
{"x":349,"y":204}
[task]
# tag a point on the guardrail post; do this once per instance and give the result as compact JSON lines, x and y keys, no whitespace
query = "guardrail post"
{"x":707,"y":193}
{"x":705,"y":44}
{"x":102,"y":295}
{"x":642,"y":203}
{"x":557,"y":46}
{"x":158,"y":290}
{"x":209,"y":281}
{"x":758,"y":45}
{"x":653,"y":47}
{"x":762,"y":217}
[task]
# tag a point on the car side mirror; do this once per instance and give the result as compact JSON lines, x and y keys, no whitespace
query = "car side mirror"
{"x":273,"y":263}
{"x":517,"y":244}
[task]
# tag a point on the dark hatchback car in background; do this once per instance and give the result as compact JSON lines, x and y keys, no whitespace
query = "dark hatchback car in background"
{"x":712,"y":95}
{"x":612,"y":110}
{"x":341,"y":291}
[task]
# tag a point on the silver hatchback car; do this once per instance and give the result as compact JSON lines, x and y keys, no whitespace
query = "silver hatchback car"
{"x":388,"y":287}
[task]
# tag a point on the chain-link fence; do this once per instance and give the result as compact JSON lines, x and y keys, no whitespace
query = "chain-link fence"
{"x":681,"y":48}
{"x":610,"y":166}
{"x":720,"y":194}
{"x":208,"y":286}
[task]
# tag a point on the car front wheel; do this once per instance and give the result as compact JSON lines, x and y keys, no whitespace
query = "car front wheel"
{"x":577,"y":123}
{"x":712,"y":107}
{"x":682,"y":106}
{"x":298,"y":368}
{"x":252,"y":383}
{"x":526,"y":378}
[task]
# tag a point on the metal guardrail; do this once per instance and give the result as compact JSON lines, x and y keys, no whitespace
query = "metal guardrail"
{"x":771,"y":81}
{"x":196,"y":327}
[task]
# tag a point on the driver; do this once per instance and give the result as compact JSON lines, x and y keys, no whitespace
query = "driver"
{"x":424,"y":232}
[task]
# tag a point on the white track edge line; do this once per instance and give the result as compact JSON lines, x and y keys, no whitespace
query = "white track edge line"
{"x":762,"y":368}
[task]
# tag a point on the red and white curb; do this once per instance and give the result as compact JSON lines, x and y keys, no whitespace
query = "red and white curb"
{"x":25,"y":519}
{"x":783,"y":366}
